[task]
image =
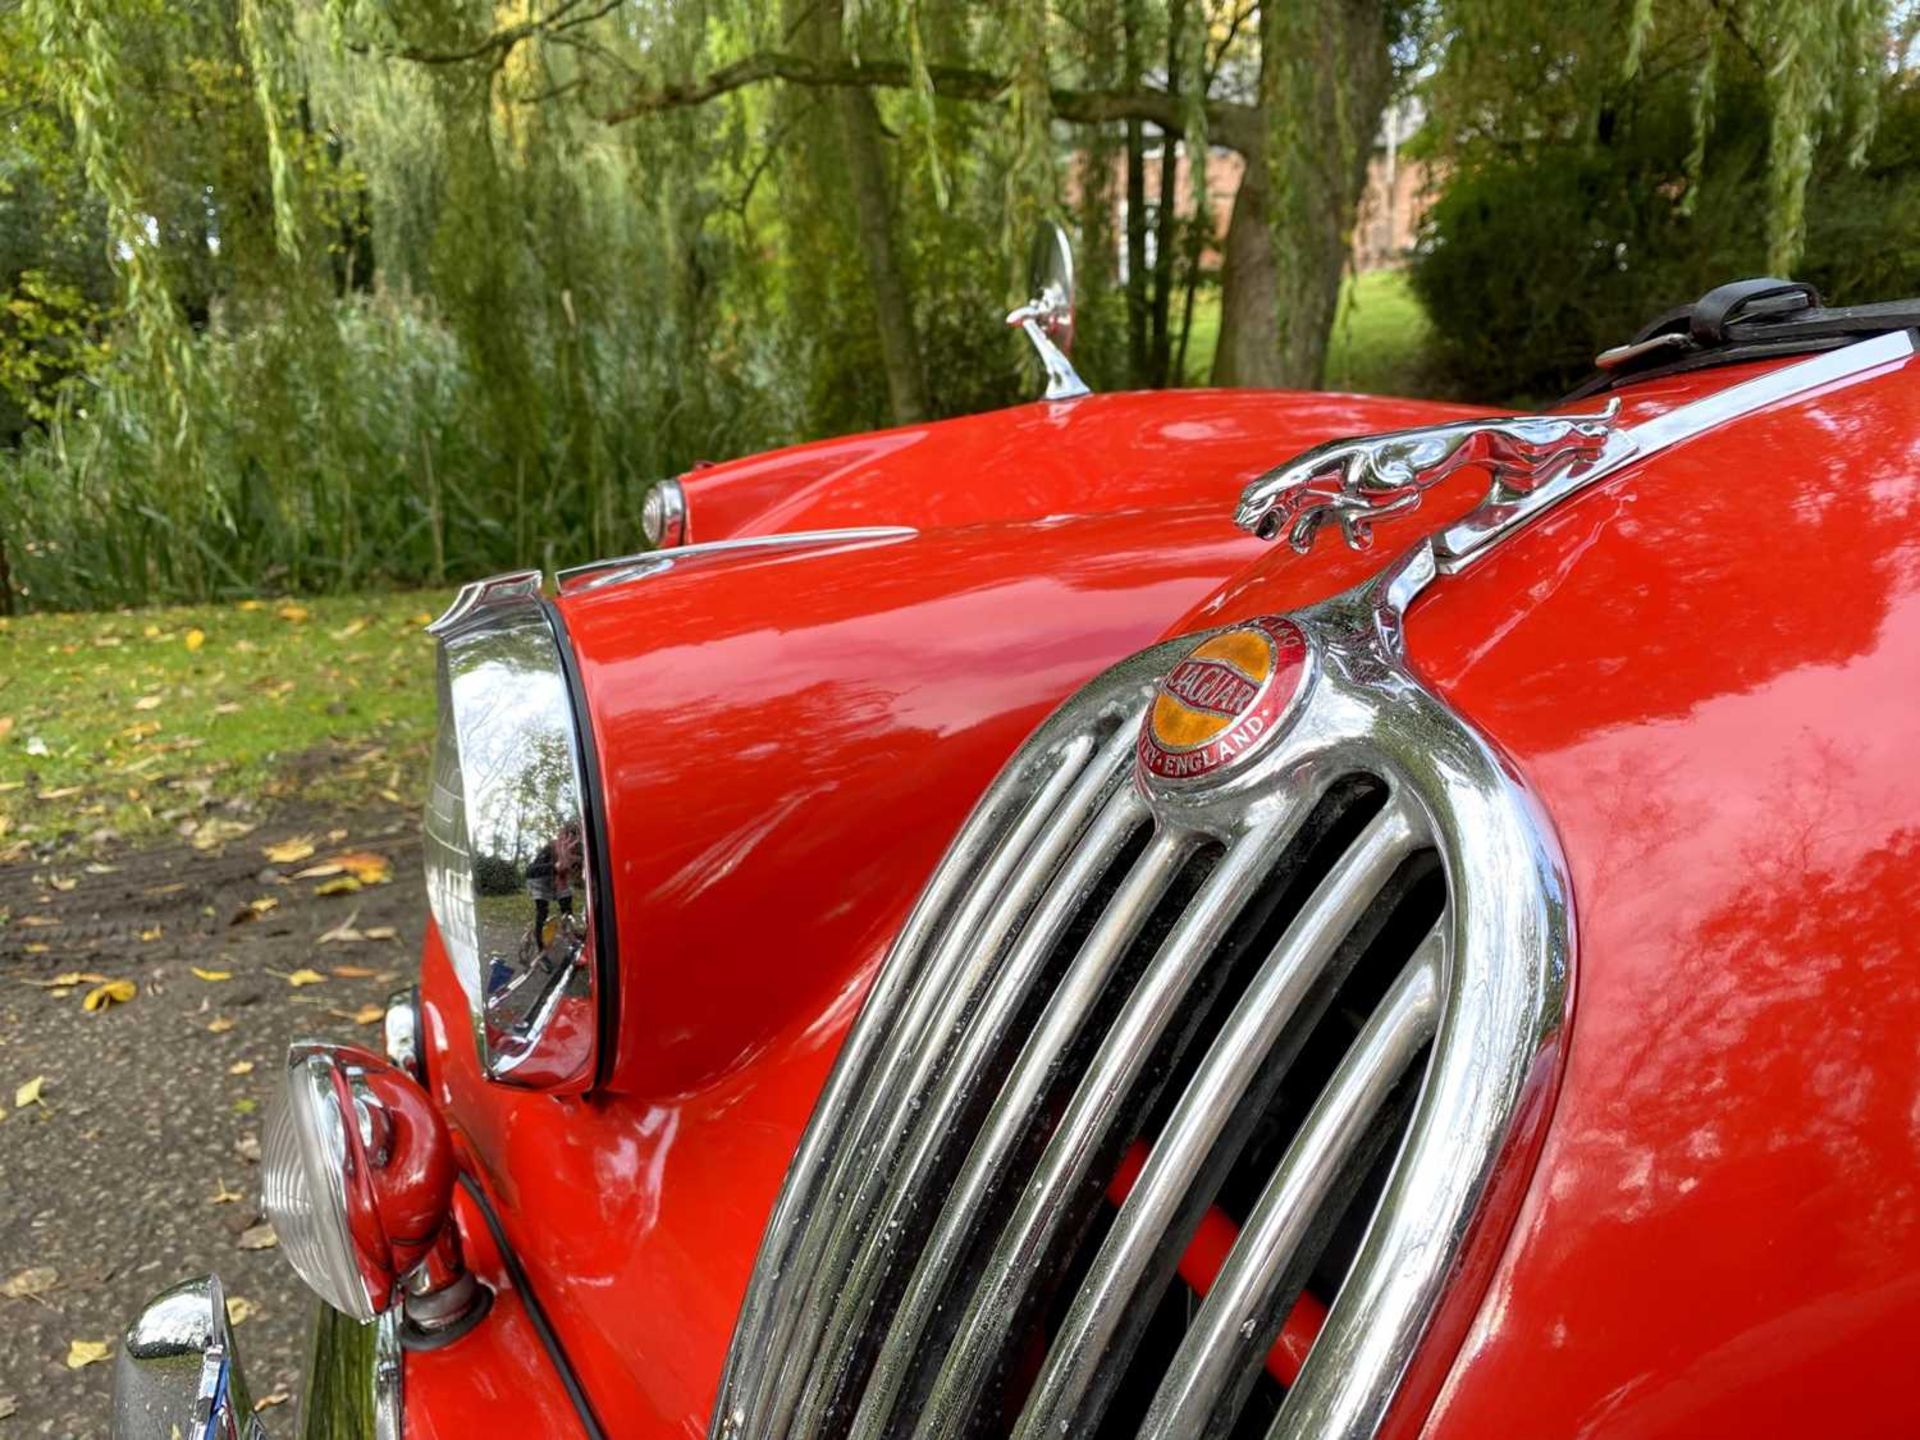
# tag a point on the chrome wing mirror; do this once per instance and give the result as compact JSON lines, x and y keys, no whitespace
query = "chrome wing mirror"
{"x":1354,"y":483}
{"x":1048,"y":316}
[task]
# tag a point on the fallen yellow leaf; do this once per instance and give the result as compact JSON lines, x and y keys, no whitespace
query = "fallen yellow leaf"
{"x":423,"y":618}
{"x":299,"y":847}
{"x":381,"y":932}
{"x":114,"y":992}
{"x":82,"y":1353}
{"x":259,"y":1237}
{"x":305,"y":977}
{"x":30,"y":1284}
{"x":69,"y":979}
{"x":239,"y":1308}
{"x":224,"y":1196}
{"x":340,"y":885}
{"x":263,"y":904}
{"x":278,"y":1396}
{"x":147,"y":702}
{"x":366,"y":867}
{"x":296,"y":614}
{"x":29,"y":1093}
{"x":240,"y":1067}
{"x":365,"y":1015}
{"x":211,"y":975}
{"x":249,"y":605}
{"x":63,"y":883}
{"x":220,"y":1024}
{"x":354,"y":972}
{"x":195,"y":639}
{"x":320,"y":872}
{"x":154,"y":933}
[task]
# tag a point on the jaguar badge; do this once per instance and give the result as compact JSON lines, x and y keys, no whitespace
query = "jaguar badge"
{"x":1230,"y":692}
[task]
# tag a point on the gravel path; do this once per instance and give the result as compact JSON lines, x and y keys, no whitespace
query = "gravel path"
{"x":137,"y":1164}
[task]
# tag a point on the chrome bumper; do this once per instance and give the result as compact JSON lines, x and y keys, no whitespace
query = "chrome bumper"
{"x":178,"y":1376}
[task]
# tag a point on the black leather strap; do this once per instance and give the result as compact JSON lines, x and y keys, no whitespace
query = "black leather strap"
{"x":1762,"y":299}
{"x":1745,"y":320}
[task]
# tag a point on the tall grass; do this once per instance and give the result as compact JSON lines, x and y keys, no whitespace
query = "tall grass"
{"x":371,"y":457}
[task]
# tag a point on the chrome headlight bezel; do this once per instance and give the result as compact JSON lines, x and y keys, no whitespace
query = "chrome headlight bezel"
{"x":513,"y":757}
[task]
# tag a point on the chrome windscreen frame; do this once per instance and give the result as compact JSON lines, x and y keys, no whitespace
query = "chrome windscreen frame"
{"x":513,"y":847}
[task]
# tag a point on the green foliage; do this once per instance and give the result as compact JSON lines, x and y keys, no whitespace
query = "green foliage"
{"x":1517,"y":74}
{"x":336,"y":293}
{"x":1534,"y":263}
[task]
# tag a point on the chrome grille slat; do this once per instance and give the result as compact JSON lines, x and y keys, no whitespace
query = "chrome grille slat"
{"x":963,"y":960}
{"x":1086,"y":1129}
{"x":1139,"y":1240}
{"x":1001,"y":829}
{"x":1009,"y":1118}
{"x":1226,"y":1344}
{"x":873,"y":1225}
{"x":1233,"y":992}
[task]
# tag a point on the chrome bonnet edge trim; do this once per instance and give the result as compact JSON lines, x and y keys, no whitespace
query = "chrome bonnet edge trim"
{"x":598,"y":573}
{"x":1501,"y":513}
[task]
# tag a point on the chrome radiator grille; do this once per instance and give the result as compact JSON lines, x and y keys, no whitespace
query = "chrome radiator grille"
{"x":1300,"y":1009}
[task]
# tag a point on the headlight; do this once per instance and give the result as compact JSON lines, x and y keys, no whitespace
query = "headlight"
{"x":356,"y":1173}
{"x":510,"y":875}
{"x":663,"y":515}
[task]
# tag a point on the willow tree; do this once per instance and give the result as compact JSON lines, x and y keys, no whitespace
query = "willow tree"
{"x":1513,"y":72}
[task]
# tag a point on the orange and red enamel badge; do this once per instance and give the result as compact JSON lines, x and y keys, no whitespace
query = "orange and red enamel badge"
{"x":1229,"y":693}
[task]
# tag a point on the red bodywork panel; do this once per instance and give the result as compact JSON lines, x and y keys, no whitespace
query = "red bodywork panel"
{"x":1705,"y":667}
{"x":1099,"y":455}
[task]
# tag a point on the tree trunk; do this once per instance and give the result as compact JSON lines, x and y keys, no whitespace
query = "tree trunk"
{"x":892,"y":305}
{"x":1167,"y":216}
{"x":1137,"y":298}
{"x":865,"y":157}
{"x":1248,"y":352}
{"x":1324,"y":80}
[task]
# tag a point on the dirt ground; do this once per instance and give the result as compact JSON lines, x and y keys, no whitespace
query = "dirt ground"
{"x":133,"y":1161}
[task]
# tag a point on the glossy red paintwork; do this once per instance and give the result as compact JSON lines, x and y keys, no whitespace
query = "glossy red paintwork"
{"x":1101,"y":454}
{"x":496,"y":1380}
{"x":1710,"y":669}
{"x":1706,"y":667}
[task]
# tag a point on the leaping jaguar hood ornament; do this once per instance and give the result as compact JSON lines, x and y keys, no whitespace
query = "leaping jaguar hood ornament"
{"x":1356,"y":482}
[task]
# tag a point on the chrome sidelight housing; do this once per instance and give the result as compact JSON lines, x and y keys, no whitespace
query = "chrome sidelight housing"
{"x":663,"y":515}
{"x":512,"y":877}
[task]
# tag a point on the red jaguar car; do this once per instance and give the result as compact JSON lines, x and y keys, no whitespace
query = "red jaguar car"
{"x":968,"y":936}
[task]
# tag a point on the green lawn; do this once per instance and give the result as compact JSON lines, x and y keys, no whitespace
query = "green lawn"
{"x":132,"y":723}
{"x":1377,"y":342}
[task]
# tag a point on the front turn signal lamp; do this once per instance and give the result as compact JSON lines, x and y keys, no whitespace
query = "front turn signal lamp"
{"x":357,"y":1174}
